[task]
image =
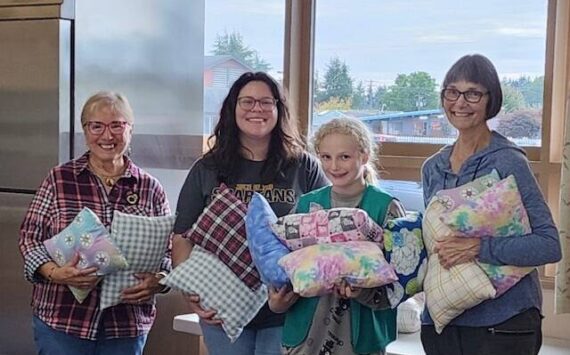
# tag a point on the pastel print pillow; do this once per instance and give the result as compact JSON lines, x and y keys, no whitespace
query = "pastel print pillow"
{"x":405,"y":251}
{"x":316,"y":269}
{"x":266,"y":249}
{"x":451,"y":198}
{"x":449,"y":292}
{"x":89,"y":238}
{"x":327,"y":226}
{"x":496,"y":212}
{"x":219,"y":289}
{"x":220,"y":229}
{"x":144,"y":242}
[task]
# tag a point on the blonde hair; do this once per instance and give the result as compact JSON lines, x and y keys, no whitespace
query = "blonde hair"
{"x":361,"y":135}
{"x":117,"y":103}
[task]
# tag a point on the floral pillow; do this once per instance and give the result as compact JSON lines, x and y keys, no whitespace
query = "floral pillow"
{"x":327,"y":226}
{"x":451,"y":198}
{"x":266,"y":249}
{"x":449,"y":292}
{"x":405,"y":251}
{"x":316,"y":269}
{"x":89,"y":238}
{"x":220,"y":229}
{"x":219,"y":289}
{"x":497,"y":212}
{"x":144,"y":242}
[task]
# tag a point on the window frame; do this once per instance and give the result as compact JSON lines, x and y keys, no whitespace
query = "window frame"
{"x":403,"y":161}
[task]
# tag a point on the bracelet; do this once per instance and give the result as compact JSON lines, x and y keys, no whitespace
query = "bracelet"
{"x":50,"y":273}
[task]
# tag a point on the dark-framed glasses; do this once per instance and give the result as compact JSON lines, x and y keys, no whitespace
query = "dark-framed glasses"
{"x":97,"y":128}
{"x":248,"y":103}
{"x":472,"y":96}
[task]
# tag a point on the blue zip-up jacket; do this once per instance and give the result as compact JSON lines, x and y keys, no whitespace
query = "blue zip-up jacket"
{"x":540,"y":247}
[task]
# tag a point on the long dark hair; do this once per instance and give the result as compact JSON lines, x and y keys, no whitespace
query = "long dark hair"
{"x":225,"y":147}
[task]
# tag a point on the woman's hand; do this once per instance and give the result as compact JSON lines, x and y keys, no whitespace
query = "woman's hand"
{"x":70,"y":275}
{"x":144,"y":290}
{"x":344,"y":290}
{"x":206,"y":315}
{"x":281,"y":300}
{"x":455,"y":250}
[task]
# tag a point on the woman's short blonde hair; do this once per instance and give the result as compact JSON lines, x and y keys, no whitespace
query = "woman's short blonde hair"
{"x":117,"y":103}
{"x":361,"y":135}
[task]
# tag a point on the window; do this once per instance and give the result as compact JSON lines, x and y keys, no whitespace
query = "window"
{"x":234,"y":44}
{"x":384,"y":64}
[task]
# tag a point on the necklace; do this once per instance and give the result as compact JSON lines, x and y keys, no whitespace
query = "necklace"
{"x":108,"y":180}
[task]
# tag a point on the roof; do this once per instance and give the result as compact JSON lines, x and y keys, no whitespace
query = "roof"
{"x":211,"y":61}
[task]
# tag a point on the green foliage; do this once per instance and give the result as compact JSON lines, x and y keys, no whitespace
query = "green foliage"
{"x":337,"y":82}
{"x":531,"y":89}
{"x":232,"y":44}
{"x":513,"y":99}
{"x":412,"y":92}
{"x":359,"y":101}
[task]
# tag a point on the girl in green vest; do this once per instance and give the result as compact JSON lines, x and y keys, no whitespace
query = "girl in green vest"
{"x":348,"y":321}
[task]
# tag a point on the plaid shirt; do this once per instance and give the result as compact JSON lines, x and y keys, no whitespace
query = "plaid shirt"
{"x":65,"y":191}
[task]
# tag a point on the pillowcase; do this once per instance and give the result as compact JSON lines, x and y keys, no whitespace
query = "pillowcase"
{"x":409,"y":314}
{"x":451,"y":198}
{"x":220,"y":229}
{"x":144,"y":242}
{"x":496,"y":212}
{"x":449,"y":292}
{"x":219,"y":288}
{"x":405,"y":251}
{"x":316,"y":269}
{"x":327,"y":226}
{"x":266,"y":249}
{"x":89,"y":238}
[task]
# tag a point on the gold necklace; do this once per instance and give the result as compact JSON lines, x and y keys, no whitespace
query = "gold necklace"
{"x":108,"y":180}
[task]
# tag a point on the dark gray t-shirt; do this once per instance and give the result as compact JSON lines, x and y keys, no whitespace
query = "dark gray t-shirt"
{"x":282,"y":194}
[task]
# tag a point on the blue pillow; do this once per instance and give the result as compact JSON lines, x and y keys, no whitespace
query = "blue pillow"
{"x":406,"y":252}
{"x":265,"y":248}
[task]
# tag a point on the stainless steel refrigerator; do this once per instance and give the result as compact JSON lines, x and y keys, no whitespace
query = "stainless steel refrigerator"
{"x":35,"y":108}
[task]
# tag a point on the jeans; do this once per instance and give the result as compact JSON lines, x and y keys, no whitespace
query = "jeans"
{"x":520,"y":335}
{"x":265,"y":341}
{"x":54,"y":342}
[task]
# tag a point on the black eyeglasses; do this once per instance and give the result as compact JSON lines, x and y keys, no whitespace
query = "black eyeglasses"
{"x":97,"y":128}
{"x":472,"y":96}
{"x":248,"y":103}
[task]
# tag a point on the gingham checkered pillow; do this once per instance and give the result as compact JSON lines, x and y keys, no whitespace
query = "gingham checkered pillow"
{"x":143,"y":241}
{"x":449,"y":292}
{"x":220,"y":229}
{"x":219,"y":288}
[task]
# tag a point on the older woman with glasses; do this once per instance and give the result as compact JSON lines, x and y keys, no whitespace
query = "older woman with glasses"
{"x":510,"y":323}
{"x":105,"y":180}
{"x":255,"y":147}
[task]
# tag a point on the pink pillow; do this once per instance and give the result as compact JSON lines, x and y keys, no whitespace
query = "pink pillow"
{"x":326,"y":226}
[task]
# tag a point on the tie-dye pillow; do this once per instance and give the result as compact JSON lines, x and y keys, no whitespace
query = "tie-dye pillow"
{"x":265,"y":248}
{"x":451,"y":198}
{"x":496,"y":212}
{"x":326,"y":226}
{"x":316,"y":269}
{"x":405,"y":251}
{"x":89,"y":238}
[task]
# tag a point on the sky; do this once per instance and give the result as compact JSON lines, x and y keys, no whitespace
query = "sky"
{"x":379,"y":39}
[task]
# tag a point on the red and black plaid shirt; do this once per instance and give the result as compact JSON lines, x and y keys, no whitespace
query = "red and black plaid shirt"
{"x":65,"y":191}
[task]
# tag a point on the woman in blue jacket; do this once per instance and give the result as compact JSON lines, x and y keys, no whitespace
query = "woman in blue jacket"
{"x":511,"y":323}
